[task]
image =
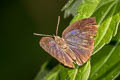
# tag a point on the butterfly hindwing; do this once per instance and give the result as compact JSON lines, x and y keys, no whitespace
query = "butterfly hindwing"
{"x":79,"y":37}
{"x":50,"y":46}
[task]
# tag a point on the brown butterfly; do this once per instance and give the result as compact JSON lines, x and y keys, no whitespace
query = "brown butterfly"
{"x":76,"y":44}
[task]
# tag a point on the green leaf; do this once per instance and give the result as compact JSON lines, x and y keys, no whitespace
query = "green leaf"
{"x":79,"y":73}
{"x":43,"y":72}
{"x":72,"y":9}
{"x":106,"y":63}
{"x":85,"y":9}
{"x":107,"y":16}
{"x":48,"y":71}
{"x":53,"y":74}
{"x":67,"y":5}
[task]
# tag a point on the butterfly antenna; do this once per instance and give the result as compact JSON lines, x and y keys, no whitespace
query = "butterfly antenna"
{"x":42,"y":35}
{"x":57,"y":25}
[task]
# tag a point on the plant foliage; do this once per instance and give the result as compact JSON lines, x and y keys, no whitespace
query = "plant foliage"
{"x":105,"y":61}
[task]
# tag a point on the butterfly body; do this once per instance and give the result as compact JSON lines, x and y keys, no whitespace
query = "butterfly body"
{"x":61,"y":42}
{"x":75,"y":45}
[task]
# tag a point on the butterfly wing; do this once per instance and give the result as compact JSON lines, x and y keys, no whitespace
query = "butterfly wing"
{"x":79,"y":37}
{"x":50,"y":46}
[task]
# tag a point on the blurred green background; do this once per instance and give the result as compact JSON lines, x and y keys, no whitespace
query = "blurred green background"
{"x":21,"y":56}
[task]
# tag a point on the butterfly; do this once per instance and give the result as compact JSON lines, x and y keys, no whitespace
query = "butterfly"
{"x":76,"y":44}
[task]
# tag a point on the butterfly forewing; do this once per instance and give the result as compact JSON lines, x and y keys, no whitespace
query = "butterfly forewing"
{"x":79,"y":37}
{"x":76,"y":44}
{"x":50,"y":46}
